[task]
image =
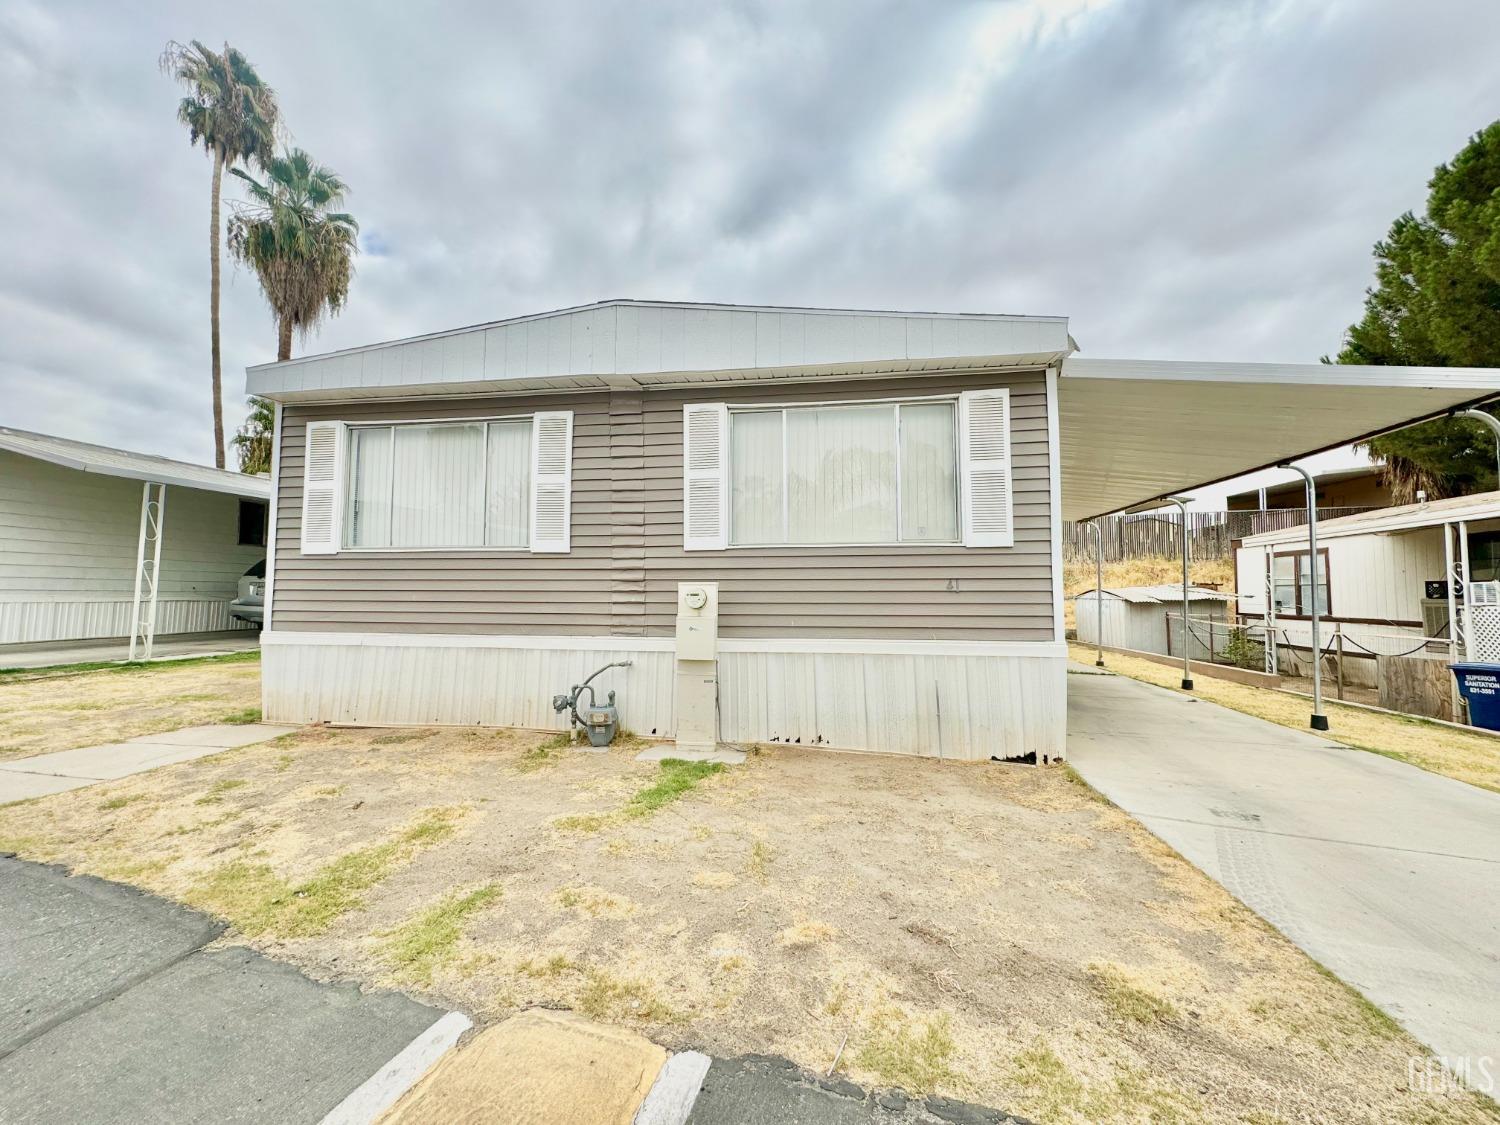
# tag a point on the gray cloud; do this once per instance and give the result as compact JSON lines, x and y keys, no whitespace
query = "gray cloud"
{"x":1183,"y":179}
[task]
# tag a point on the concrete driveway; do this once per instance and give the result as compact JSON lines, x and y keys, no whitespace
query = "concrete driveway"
{"x":1383,"y":872}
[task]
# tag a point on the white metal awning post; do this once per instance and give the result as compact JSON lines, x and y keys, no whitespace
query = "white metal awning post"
{"x":147,"y":570}
{"x":1319,"y":720}
{"x":1187,"y":637}
{"x":1098,"y":594}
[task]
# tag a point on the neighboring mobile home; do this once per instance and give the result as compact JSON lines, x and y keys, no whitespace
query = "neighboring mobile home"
{"x":71,"y":518}
{"x":1382,"y":577}
{"x":1149,"y":618}
{"x":469,"y":522}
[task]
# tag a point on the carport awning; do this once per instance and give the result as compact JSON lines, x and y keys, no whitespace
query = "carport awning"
{"x":1136,"y":430}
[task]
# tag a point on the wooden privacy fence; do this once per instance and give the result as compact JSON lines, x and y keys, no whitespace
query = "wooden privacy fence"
{"x":1156,"y":535}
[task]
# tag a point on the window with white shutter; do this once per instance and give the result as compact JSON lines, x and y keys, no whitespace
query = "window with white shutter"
{"x":551,"y":480}
{"x":705,"y":456}
{"x":984,"y":462}
{"x":322,"y":470}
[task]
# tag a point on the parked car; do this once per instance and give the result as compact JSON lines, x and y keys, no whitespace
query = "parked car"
{"x":251,"y":604}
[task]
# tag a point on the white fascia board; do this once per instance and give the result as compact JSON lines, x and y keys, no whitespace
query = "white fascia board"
{"x":1475,"y":380}
{"x":662,"y":380}
{"x":1389,"y":522}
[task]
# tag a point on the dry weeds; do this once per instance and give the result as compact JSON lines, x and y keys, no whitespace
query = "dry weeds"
{"x":920,"y":898}
{"x":40,"y":713}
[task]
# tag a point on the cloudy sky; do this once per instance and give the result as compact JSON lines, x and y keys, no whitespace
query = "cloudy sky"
{"x":1183,"y":180}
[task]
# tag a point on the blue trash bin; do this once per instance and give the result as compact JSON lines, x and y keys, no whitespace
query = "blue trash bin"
{"x":1479,"y":684}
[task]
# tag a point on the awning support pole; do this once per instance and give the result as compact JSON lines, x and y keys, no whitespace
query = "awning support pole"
{"x":1187,"y":664}
{"x":147,"y":570}
{"x":1319,"y":720}
{"x":1098,"y":594}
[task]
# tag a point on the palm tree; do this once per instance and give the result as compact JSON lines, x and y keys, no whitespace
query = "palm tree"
{"x":299,"y":247}
{"x":254,"y":437}
{"x":233,"y":115}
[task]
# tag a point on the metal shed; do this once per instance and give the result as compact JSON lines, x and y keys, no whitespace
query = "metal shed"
{"x":1148,"y":618}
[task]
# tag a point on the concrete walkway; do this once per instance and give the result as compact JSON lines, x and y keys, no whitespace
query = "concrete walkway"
{"x":21,"y":778}
{"x":1383,"y":872}
{"x":116,"y":649}
{"x":111,"y":1010}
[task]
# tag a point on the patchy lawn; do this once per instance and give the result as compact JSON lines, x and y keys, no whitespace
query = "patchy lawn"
{"x":993,"y":932}
{"x":1461,"y":755}
{"x":46,"y":710}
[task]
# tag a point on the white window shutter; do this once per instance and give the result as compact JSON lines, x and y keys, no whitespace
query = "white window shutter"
{"x":322,"y":488}
{"x":551,"y":481}
{"x":705,"y":477}
{"x":984,"y":457}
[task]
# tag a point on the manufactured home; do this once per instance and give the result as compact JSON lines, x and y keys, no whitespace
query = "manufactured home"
{"x":1383,"y":580}
{"x":1149,"y":619}
{"x":100,"y":543}
{"x":826,"y":527}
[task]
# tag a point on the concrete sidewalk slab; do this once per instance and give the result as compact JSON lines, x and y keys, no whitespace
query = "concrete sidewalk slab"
{"x":226,"y":736}
{"x":112,"y":1012}
{"x":72,"y":769}
{"x":186,"y":646}
{"x":1377,"y":869}
{"x":537,"y":1068}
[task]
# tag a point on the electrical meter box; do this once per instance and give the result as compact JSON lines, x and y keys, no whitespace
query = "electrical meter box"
{"x":697,"y":621}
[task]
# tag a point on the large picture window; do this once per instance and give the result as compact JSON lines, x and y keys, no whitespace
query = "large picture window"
{"x":863,"y":473}
{"x":1292,"y":579}
{"x":437,"y":485}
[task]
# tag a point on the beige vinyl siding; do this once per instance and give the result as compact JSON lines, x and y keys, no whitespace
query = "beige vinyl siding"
{"x":627,"y":558}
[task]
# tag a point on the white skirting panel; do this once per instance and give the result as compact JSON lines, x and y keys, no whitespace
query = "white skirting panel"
{"x":404,"y":685}
{"x":33,"y":621}
{"x":935,"y":706}
{"x":928,"y":703}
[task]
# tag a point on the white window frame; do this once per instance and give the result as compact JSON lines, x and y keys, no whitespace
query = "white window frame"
{"x":372,"y":424}
{"x":895,"y":403}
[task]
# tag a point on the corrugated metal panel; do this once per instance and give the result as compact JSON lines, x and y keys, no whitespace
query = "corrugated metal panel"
{"x":1135,"y":431}
{"x":959,"y":707}
{"x":642,"y":337}
{"x":1158,"y":595}
{"x":627,"y":555}
{"x":35,"y":621}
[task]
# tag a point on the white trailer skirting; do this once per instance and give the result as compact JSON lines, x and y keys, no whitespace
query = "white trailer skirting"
{"x":932,"y":699}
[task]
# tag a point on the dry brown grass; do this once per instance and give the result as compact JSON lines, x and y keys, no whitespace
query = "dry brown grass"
{"x":1464,"y":756}
{"x":993,"y":932}
{"x":1079,"y":576}
{"x":40,"y":713}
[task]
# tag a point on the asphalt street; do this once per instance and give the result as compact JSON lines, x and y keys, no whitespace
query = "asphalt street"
{"x":112,"y":1010}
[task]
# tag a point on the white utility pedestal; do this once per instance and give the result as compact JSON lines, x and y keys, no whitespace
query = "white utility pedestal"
{"x":697,"y":666}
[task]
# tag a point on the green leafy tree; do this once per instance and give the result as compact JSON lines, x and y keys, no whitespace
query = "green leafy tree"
{"x":233,"y":115}
{"x":254,"y":437}
{"x":300,"y":248}
{"x":1436,"y":302}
